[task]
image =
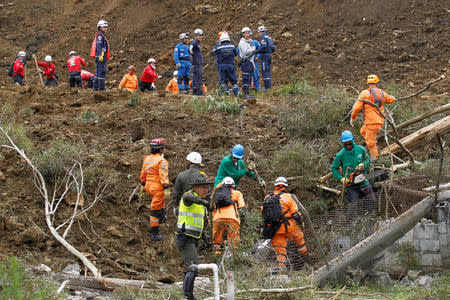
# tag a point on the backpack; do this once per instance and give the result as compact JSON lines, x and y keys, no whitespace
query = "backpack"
{"x":11,"y":70}
{"x":272,"y":215}
{"x":222,"y":197}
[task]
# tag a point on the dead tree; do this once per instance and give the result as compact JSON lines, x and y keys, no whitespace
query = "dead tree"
{"x":72,"y":180}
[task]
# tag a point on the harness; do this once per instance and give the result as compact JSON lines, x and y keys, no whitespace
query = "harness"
{"x":375,"y":99}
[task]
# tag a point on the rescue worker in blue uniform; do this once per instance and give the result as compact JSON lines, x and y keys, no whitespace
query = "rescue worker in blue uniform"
{"x":256,"y":58}
{"x":266,"y":49}
{"x":100,"y":51}
{"x":182,"y":59}
{"x":197,"y":63}
{"x":225,"y":53}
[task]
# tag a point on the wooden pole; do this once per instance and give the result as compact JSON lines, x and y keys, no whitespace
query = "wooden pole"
{"x":38,"y":69}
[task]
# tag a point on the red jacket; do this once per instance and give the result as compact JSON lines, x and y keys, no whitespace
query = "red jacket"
{"x":49,"y":69}
{"x":149,"y":75}
{"x":85,"y":75}
{"x":74,"y":63}
{"x":19,"y":68}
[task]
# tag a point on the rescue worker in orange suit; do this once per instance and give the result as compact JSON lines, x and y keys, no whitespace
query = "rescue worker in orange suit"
{"x":129,"y":81}
{"x":49,"y":71}
{"x":87,"y":79}
{"x":172,"y":86}
{"x":100,"y":52}
{"x":155,"y":179}
{"x":74,"y":64}
{"x":289,"y":229}
{"x":18,"y":74}
{"x":147,"y":81}
{"x":229,"y":209}
{"x":373,"y":121}
{"x":203,"y":87}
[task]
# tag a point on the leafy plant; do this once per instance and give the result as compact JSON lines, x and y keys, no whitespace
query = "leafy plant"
{"x":217,"y":103}
{"x":89,"y":116}
{"x":134,"y":100}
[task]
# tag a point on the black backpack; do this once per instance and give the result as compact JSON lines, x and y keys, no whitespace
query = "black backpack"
{"x":223,"y":197}
{"x":11,"y":70}
{"x":272,"y":215}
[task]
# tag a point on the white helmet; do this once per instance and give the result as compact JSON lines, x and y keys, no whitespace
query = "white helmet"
{"x":21,"y":54}
{"x":72,"y":53}
{"x":224,"y":37}
{"x":102,"y":23}
{"x":184,"y":35}
{"x":262,"y":28}
{"x":194,"y":157}
{"x":175,"y":73}
{"x":198,"y":31}
{"x":228,"y":181}
{"x":246,"y":29}
{"x":151,"y":61}
{"x":48,"y":58}
{"x":281,"y":181}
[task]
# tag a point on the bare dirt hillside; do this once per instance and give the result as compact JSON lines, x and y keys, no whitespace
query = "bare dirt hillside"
{"x":402,"y":41}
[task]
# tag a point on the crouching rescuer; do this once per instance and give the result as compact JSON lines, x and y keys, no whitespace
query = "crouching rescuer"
{"x":281,"y":215}
{"x":191,"y":222}
{"x":155,"y":179}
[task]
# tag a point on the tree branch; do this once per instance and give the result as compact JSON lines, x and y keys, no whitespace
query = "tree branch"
{"x":424,"y":89}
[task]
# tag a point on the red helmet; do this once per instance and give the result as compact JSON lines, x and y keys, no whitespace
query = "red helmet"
{"x":157,"y":143}
{"x":131,"y":67}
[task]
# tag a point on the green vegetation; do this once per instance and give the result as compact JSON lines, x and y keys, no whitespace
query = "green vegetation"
{"x":134,"y":100}
{"x":16,"y":131}
{"x":213,"y":103}
{"x":17,"y":284}
{"x":89,"y":116}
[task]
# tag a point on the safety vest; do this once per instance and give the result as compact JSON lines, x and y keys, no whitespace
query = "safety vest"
{"x":191,"y":218}
{"x":94,"y":46}
{"x":376,"y":96}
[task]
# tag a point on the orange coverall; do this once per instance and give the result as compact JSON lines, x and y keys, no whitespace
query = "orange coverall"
{"x":204,"y":87}
{"x":172,"y":86}
{"x":226,"y":220}
{"x":293,"y":233}
{"x":130,"y":82}
{"x":155,"y":175}
{"x":373,"y":121}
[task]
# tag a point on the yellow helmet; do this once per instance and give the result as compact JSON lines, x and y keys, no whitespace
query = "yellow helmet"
{"x":373,"y":79}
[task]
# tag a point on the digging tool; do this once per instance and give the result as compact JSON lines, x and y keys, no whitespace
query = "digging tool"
{"x":362,"y":177}
{"x":261,"y":188}
{"x":38,"y":69}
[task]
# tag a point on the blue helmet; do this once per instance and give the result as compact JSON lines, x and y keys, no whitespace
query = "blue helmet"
{"x":237,"y":151}
{"x":346,"y":136}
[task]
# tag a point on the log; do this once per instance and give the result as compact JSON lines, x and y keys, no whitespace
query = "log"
{"x":430,"y":113}
{"x":421,"y":136}
{"x":325,"y":177}
{"x":363,"y":254}
{"x":325,"y":188}
{"x":444,"y":186}
{"x":104,"y":284}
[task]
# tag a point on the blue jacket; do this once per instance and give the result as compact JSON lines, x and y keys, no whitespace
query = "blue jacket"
{"x":267,"y":45}
{"x":181,"y":53}
{"x":255,"y":44}
{"x":225,"y":53}
{"x":102,"y":44}
{"x":196,"y":52}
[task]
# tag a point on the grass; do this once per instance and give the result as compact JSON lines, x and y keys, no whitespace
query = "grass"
{"x":213,"y":103}
{"x":89,"y":116}
{"x":134,"y":100}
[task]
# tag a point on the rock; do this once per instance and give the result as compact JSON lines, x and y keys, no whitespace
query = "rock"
{"x":307,"y":49}
{"x":287,"y":35}
{"x":114,"y":232}
{"x":413,"y":274}
{"x":208,"y":9}
{"x":2,"y":176}
{"x":405,"y":280}
{"x":380,"y":277}
{"x":424,"y":281}
{"x":73,"y":269}
{"x":203,"y":282}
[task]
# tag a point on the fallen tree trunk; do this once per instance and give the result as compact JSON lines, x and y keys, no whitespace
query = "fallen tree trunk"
{"x":430,"y":113}
{"x":445,"y":186}
{"x":421,"y":136}
{"x":362,"y":255}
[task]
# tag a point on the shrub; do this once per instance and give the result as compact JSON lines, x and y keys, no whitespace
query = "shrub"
{"x":89,"y":116}
{"x":218,"y":103}
{"x":134,"y":100}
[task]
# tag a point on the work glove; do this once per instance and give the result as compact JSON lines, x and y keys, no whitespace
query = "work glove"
{"x":167,"y":195}
{"x":100,"y":58}
{"x":263,"y":183}
{"x":178,"y":65}
{"x":345,"y":181}
{"x":159,"y":76}
{"x":251,"y":165}
{"x":352,"y":122}
{"x":360,"y":167}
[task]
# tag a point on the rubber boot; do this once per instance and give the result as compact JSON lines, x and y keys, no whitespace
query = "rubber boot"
{"x":156,"y":236}
{"x":188,"y":285}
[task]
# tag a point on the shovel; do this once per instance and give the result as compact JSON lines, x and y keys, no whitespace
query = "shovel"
{"x":261,"y":188}
{"x":39,"y":70}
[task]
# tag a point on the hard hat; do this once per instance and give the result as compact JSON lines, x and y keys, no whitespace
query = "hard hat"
{"x":195,"y":158}
{"x":157,"y":143}
{"x":131,"y":67}
{"x":262,"y":28}
{"x":48,"y":58}
{"x":151,"y":61}
{"x":224,"y":37}
{"x":72,"y":53}
{"x":281,"y":181}
{"x":175,"y":73}
{"x":221,"y":32}
{"x":201,"y":180}
{"x":102,"y":23}
{"x":198,"y":31}
{"x":184,"y":35}
{"x":238,"y":151}
{"x":346,"y":136}
{"x":228,"y":181}
{"x":245,"y":29}
{"x":373,"y":79}
{"x":21,"y":54}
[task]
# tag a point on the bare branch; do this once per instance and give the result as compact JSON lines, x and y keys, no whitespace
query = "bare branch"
{"x":424,"y":89}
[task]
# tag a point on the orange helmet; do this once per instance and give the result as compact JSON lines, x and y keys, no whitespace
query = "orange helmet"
{"x":157,"y":143}
{"x":373,"y":79}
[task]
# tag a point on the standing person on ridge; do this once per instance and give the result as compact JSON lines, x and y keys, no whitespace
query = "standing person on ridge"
{"x":373,"y":121}
{"x":49,"y":71}
{"x":18,"y":69}
{"x":155,"y":179}
{"x":266,"y":49}
{"x":100,"y":51}
{"x":129,"y":80}
{"x":182,"y":59}
{"x":225,"y":53}
{"x":233,"y":166}
{"x":197,"y":63}
{"x":74,"y":64}
{"x":246,"y":51}
{"x":256,"y":58}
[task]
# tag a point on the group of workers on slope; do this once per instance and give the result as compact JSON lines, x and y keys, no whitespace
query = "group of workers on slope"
{"x":192,"y":206}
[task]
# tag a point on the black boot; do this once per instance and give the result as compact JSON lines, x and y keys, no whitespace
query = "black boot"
{"x":155,"y":234}
{"x":188,"y":285}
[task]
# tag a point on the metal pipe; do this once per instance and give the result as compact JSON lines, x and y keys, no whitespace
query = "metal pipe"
{"x":215,"y":270}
